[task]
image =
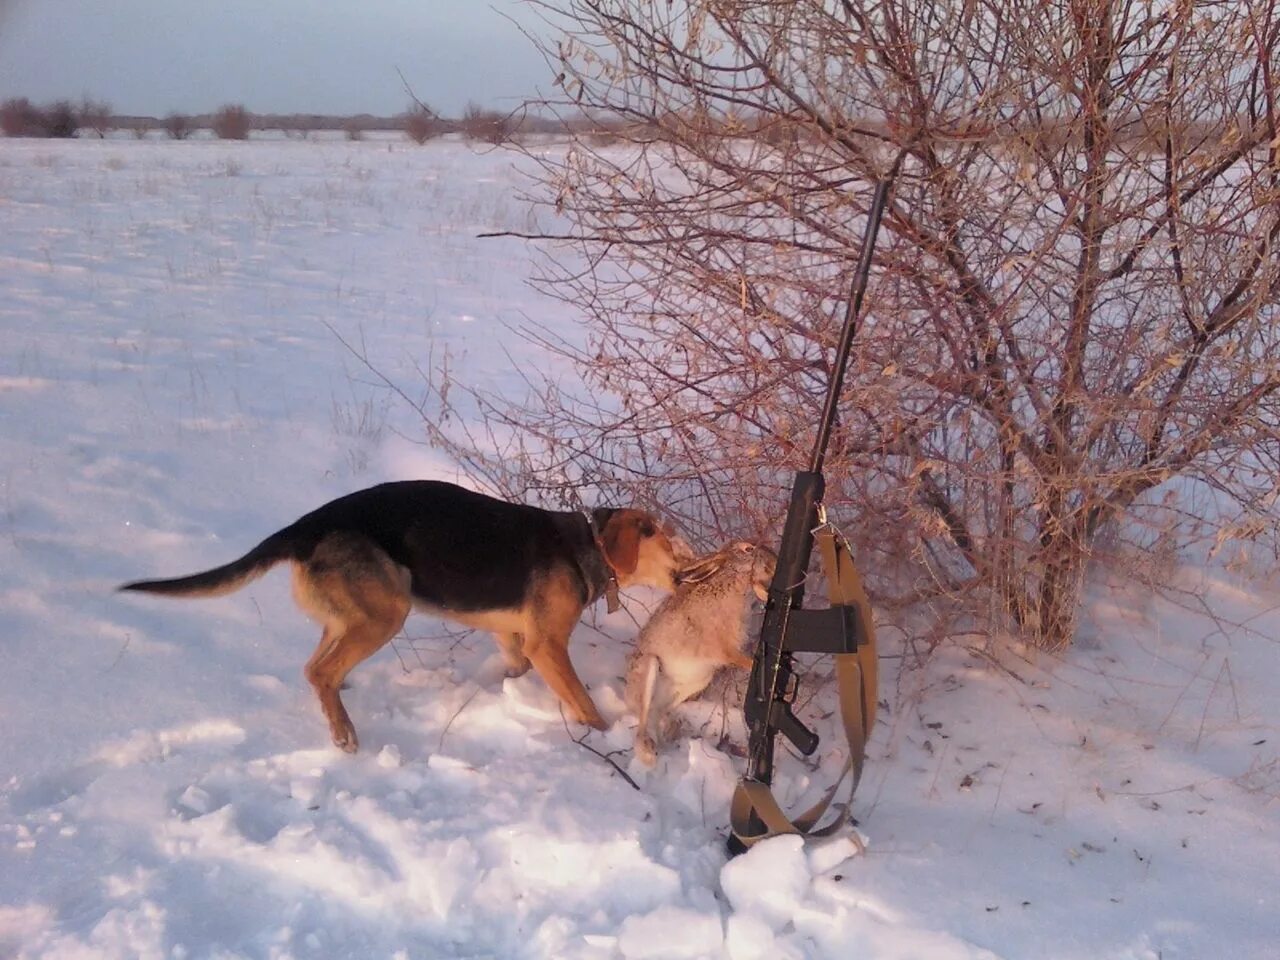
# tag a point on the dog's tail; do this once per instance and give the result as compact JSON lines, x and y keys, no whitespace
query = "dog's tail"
{"x":224,"y":579}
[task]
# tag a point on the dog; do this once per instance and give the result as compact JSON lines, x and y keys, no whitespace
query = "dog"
{"x":693,"y":633}
{"x":363,"y":561}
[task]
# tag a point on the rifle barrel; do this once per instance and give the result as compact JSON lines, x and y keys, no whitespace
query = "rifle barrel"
{"x":850,"y":329}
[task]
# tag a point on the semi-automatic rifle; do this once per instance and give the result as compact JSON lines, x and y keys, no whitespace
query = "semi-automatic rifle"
{"x":843,"y":629}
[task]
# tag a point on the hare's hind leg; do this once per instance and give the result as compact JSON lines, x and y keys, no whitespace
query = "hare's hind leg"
{"x":649,"y":687}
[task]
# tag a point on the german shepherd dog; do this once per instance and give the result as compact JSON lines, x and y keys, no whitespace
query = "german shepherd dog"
{"x":363,"y":561}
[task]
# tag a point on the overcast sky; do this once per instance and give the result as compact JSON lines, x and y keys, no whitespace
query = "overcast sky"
{"x":315,"y":56}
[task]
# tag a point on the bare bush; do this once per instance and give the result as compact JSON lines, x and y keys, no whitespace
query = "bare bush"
{"x":95,"y":115}
{"x":1073,"y":317}
{"x":597,"y":131}
{"x":59,"y":120}
{"x":177,"y":126}
{"x":421,"y":123}
{"x":19,"y":118}
{"x":232,"y":122}
{"x":489,"y":126}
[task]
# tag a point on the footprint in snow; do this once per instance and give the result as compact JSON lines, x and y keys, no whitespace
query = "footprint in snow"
{"x":51,"y":789}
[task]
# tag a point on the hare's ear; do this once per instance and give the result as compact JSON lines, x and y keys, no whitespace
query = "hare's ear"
{"x":702,"y":569}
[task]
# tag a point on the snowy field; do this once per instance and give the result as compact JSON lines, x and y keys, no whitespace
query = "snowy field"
{"x":173,"y":388}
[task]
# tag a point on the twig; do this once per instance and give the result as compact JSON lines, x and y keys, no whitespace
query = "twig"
{"x":519,"y":235}
{"x":1204,"y":714}
{"x":606,"y":757}
{"x":932,"y":792}
{"x":1186,"y":787}
{"x":414,"y":97}
{"x":404,"y":667}
{"x":1173,"y":709}
{"x":984,"y":655}
{"x":120,"y":655}
{"x":456,"y":713}
{"x":999,"y":790}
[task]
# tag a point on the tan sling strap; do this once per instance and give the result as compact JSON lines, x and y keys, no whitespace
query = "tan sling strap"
{"x":856,"y":683}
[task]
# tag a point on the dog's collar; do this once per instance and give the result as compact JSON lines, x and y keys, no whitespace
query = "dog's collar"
{"x":600,"y":577}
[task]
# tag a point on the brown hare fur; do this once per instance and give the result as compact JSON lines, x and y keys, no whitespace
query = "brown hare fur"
{"x":694,"y":632}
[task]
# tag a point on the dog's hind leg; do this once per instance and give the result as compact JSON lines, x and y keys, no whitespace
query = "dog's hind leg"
{"x":318,"y":672}
{"x":335,"y":657}
{"x":358,"y":594}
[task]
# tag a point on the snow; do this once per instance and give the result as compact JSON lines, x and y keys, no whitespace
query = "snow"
{"x":769,"y":881}
{"x":173,"y":387}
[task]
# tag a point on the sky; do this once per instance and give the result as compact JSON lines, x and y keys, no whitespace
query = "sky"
{"x":274,"y":56}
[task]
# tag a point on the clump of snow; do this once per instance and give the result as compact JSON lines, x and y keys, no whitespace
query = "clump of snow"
{"x":671,"y":933}
{"x":389,"y":756}
{"x":750,"y":937}
{"x":769,"y":881}
{"x":827,"y":854}
{"x":195,"y":802}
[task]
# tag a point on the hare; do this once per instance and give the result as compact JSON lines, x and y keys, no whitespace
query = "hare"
{"x":697,"y":630}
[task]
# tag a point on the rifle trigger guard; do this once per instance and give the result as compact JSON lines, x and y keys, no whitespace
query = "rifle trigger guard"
{"x":788,"y":696}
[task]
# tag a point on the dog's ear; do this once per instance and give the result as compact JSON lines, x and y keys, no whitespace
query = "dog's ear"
{"x":620,"y":540}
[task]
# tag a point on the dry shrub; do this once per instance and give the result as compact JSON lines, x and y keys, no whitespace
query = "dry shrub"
{"x":1063,"y":325}
{"x":232,"y":122}
{"x":488,"y":126}
{"x":421,"y":123}
{"x":177,"y":126}
{"x":96,"y":115}
{"x":19,"y":118}
{"x":597,"y":131}
{"x":60,"y":120}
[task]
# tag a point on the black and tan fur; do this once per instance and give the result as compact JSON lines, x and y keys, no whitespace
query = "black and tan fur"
{"x":362,"y":562}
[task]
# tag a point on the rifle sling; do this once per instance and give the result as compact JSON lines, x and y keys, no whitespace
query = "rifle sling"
{"x":856,"y":683}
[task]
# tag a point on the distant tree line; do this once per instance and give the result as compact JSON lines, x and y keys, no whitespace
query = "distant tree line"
{"x":19,"y":117}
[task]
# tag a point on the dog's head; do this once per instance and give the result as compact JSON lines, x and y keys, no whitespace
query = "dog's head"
{"x":641,"y":551}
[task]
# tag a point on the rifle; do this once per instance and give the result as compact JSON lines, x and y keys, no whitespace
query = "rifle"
{"x":844,"y":629}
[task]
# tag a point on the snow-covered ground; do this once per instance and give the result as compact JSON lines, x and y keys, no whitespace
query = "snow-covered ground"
{"x":172,"y":388}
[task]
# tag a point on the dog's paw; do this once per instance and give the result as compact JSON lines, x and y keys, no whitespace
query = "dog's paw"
{"x":517,"y":670}
{"x":344,"y":738}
